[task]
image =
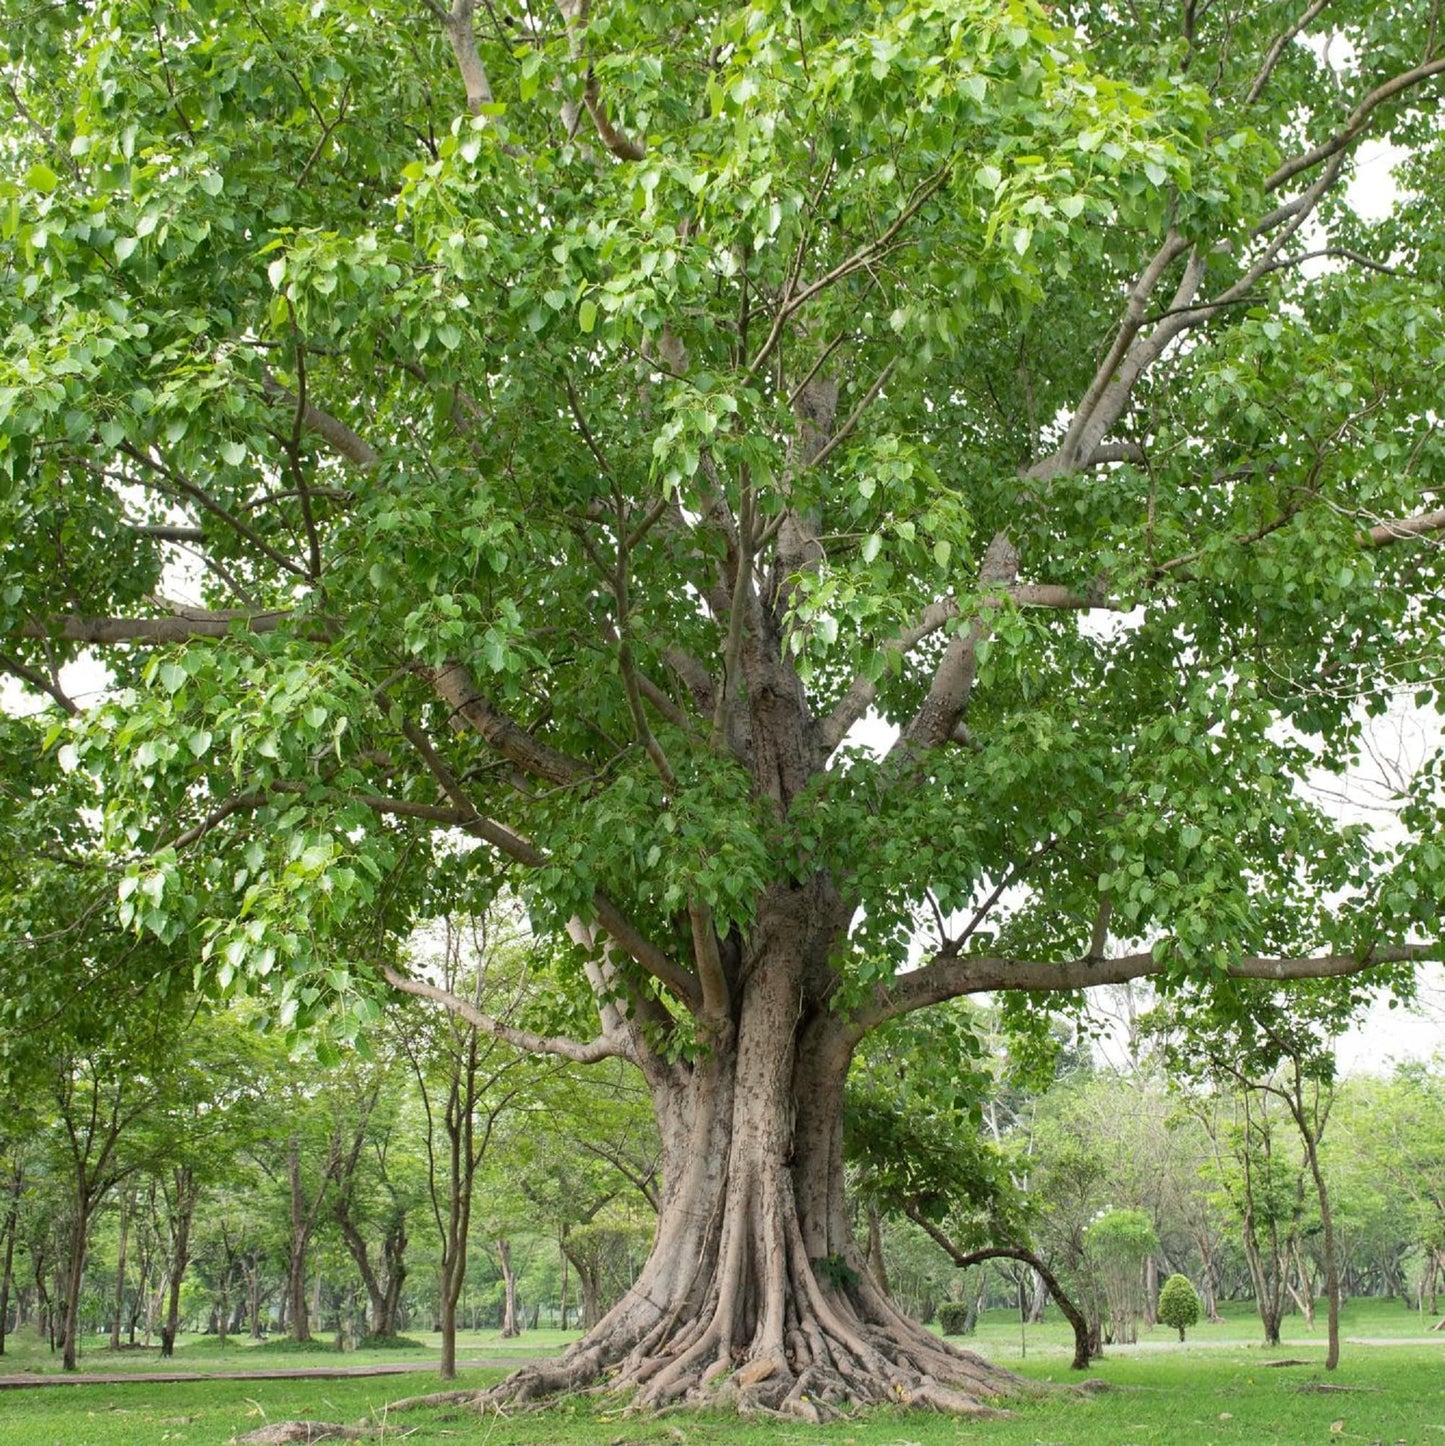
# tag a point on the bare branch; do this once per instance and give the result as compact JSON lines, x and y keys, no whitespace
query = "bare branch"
{"x":1355,"y":125}
{"x":623,"y":146}
{"x":1281,"y":40}
{"x":843,"y":432}
{"x":39,"y":682}
{"x":334,"y":432}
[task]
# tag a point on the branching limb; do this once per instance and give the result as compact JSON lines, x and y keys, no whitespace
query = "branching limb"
{"x":455,"y":687}
{"x":605,"y":1046}
{"x":187,"y":488}
{"x":1356,"y":123}
{"x":1406,"y":529}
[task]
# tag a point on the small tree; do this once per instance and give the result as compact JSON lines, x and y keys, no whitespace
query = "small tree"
{"x":1178,"y":1304}
{"x":1117,"y":1244}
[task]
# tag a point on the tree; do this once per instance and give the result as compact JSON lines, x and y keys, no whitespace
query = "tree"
{"x":1178,"y":1304}
{"x":1275,"y":1049}
{"x":563,"y":453}
{"x":468,"y":1079}
{"x":1118,"y":1243}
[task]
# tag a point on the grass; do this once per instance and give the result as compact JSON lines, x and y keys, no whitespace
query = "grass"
{"x":1216,"y":1388}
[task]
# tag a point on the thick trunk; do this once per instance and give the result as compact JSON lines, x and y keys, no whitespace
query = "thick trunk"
{"x":755,"y":1292}
{"x":127,"y":1205}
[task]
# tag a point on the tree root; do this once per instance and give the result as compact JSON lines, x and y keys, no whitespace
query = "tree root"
{"x":284,"y":1433}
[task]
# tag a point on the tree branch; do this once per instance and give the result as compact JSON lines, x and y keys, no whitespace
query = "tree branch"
{"x":605,"y":1046}
{"x":455,"y":687}
{"x":1358,"y":119}
{"x":1405,"y":529}
{"x":40,"y":683}
{"x":946,"y":977}
{"x":183,"y":626}
{"x":335,"y":433}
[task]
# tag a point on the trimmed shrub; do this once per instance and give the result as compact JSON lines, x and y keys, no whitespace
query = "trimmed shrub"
{"x":953,"y":1317}
{"x":1178,"y":1304}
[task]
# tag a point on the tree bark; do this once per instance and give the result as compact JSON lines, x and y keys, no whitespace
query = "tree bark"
{"x":298,"y":1318}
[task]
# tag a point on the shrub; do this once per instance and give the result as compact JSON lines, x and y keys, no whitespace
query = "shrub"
{"x":1178,"y":1304}
{"x":953,"y":1317}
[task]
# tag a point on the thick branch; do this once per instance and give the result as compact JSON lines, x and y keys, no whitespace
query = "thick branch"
{"x":1406,"y":528}
{"x":455,"y":687}
{"x":953,"y":679}
{"x":195,"y":623}
{"x":1359,"y":118}
{"x":947,"y":977}
{"x":605,"y":1046}
{"x":334,"y":432}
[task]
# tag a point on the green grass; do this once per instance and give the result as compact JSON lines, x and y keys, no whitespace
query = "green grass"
{"x":1216,"y":1388}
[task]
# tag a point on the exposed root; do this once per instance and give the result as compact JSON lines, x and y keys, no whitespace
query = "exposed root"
{"x":283,"y":1433}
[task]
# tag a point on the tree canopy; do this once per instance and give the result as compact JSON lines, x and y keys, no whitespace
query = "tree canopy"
{"x":525,"y":445}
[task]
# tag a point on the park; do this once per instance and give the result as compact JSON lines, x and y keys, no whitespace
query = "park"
{"x":748,"y":681}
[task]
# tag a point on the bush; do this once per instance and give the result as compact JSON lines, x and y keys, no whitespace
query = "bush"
{"x":953,"y":1317}
{"x":1178,"y":1304}
{"x":389,"y":1343}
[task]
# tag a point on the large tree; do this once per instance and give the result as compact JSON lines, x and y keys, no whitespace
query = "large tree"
{"x":534,"y":442}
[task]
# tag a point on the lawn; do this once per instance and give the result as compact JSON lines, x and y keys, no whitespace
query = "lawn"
{"x":1217,"y":1388}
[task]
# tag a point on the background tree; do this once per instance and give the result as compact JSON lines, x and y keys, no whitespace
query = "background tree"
{"x":568,"y":451}
{"x":1178,"y":1304}
{"x":1118,"y":1244}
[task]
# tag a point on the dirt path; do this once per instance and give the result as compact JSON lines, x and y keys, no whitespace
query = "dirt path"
{"x":279,"y":1373}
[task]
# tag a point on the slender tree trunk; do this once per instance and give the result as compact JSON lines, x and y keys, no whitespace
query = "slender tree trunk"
{"x":127,"y":1205}
{"x":298,"y":1321}
{"x":7,"y":1270}
{"x":1327,"y":1249}
{"x":73,"y":1281}
{"x":510,"y":1328}
{"x":182,"y":1212}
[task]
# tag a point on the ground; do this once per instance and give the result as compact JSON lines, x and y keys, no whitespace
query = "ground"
{"x":1219,"y":1388}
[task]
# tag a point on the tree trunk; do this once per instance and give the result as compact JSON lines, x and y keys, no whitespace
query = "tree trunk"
{"x":298,"y":1320}
{"x":754,"y":1274}
{"x":74,"y":1279}
{"x":1327,"y":1246}
{"x":510,"y":1328}
{"x":127,"y":1205}
{"x":875,"y":1250}
{"x":182,"y":1211}
{"x":7,"y":1270}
